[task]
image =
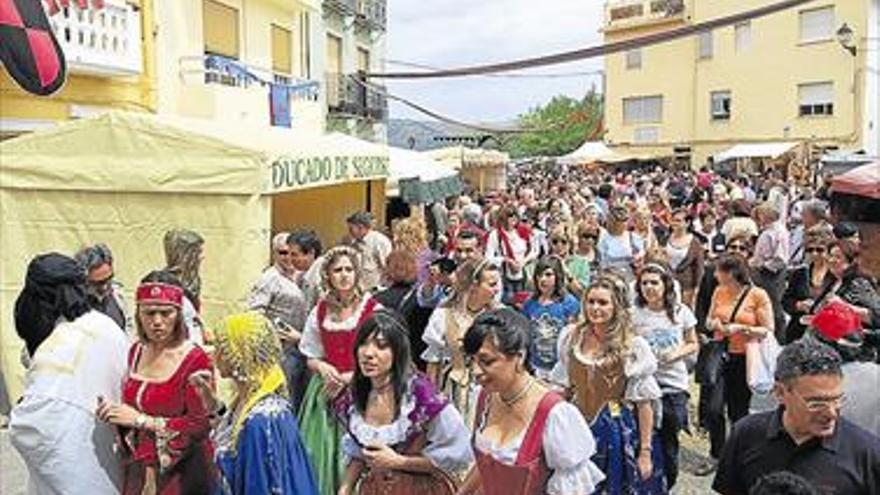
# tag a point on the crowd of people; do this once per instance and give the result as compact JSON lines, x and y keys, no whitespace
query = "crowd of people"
{"x":551,"y":338}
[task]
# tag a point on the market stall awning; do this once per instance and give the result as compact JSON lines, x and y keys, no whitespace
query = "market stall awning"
{"x":461,"y":157}
{"x":197,"y":156}
{"x":755,"y":150}
{"x":592,"y":152}
{"x":419,"y":179}
{"x":300,"y":160}
{"x":860,"y":181}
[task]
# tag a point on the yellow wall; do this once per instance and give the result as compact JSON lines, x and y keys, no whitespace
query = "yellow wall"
{"x":325,"y":209}
{"x":763,"y":81}
{"x":128,"y":93}
{"x":181,"y":80}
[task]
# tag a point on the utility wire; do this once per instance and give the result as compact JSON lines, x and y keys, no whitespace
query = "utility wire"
{"x":440,"y":117}
{"x":557,"y":75}
{"x":595,"y":51}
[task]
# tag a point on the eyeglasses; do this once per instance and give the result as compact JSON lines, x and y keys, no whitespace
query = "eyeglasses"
{"x":282,"y":252}
{"x":738,"y":247}
{"x":559,"y":241}
{"x":820,"y":404}
{"x":816,"y":250}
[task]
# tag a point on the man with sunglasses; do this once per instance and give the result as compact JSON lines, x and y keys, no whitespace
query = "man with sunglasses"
{"x":104,"y":293}
{"x":806,"y":435}
{"x":277,"y":295}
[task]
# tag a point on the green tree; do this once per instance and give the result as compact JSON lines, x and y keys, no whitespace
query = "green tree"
{"x":560,"y":126}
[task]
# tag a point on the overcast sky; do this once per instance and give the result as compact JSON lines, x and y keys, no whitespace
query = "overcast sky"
{"x":451,"y":33}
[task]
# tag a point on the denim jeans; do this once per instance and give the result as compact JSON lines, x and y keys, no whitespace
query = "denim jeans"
{"x":675,"y":419}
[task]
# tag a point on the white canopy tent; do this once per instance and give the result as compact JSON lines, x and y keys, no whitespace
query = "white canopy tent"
{"x":592,"y":152}
{"x":418,"y":178}
{"x":755,"y":150}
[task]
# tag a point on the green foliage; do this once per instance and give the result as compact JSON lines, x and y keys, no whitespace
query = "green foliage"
{"x":561,"y":126}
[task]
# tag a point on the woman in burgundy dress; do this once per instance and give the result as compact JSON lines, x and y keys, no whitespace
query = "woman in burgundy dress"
{"x":163,"y":424}
{"x":527,"y":439}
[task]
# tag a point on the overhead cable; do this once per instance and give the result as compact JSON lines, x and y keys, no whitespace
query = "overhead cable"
{"x":599,"y":50}
{"x":440,"y":117}
{"x":555,"y":75}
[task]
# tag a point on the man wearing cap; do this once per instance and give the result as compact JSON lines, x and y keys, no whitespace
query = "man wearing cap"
{"x":840,"y":326}
{"x":806,"y":435}
{"x":373,"y":246}
{"x":77,"y":356}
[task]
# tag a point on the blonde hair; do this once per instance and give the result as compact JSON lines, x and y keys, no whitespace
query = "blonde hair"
{"x":619,"y":333}
{"x":330,"y":259}
{"x":410,"y":234}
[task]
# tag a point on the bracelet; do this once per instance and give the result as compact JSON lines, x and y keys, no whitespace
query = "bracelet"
{"x":140,"y":422}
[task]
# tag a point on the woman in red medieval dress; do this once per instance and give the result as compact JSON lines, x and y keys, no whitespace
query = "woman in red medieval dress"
{"x":527,"y":439}
{"x":163,"y":424}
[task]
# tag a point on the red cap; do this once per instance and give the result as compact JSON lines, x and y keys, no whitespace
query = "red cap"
{"x":836,"y":320}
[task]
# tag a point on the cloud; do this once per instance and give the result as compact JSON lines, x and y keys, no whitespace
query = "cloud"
{"x":452,"y":33}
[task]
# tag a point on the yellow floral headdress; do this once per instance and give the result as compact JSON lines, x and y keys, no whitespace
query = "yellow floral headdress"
{"x":249,"y":344}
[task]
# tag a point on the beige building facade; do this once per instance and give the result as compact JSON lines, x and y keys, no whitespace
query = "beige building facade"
{"x":785,"y":77}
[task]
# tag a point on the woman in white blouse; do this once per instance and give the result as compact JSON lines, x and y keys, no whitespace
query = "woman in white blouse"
{"x":477,"y":284}
{"x":527,"y":439}
{"x":402,"y":436}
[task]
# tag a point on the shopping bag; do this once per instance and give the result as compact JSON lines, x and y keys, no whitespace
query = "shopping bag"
{"x":761,"y":363}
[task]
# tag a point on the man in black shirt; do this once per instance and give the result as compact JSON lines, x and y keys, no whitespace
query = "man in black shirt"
{"x":806,"y":435}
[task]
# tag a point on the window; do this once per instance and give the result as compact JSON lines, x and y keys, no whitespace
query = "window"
{"x":642,"y":109}
{"x":816,"y":99}
{"x":720,"y":102}
{"x":742,"y":34}
{"x":282,"y":42}
{"x":634,"y":59}
{"x":363,"y":60}
{"x":220,"y":27}
{"x":334,"y":69}
{"x":817,"y":24}
{"x":705,"y":44}
{"x":646,"y":134}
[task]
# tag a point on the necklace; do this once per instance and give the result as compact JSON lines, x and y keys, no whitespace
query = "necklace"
{"x":517,"y":396}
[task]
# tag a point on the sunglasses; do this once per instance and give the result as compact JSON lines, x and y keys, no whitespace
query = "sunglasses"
{"x":589,"y":237}
{"x":283,"y":252}
{"x":737,"y":247}
{"x":559,"y":241}
{"x":816,"y":250}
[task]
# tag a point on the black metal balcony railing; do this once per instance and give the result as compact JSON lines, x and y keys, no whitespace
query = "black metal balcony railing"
{"x":346,"y":96}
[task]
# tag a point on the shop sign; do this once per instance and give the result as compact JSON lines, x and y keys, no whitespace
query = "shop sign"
{"x":289,"y":173}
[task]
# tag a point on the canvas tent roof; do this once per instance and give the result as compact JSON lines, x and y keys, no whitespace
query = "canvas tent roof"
{"x":170,"y":154}
{"x":755,"y":150}
{"x":591,"y":152}
{"x":461,"y":157}
{"x":418,"y":178}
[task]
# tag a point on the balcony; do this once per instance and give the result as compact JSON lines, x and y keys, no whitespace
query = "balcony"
{"x":104,"y":42}
{"x":221,"y":88}
{"x":350,"y":99}
{"x":369,"y":14}
{"x":372,"y":14}
{"x":627,"y":14}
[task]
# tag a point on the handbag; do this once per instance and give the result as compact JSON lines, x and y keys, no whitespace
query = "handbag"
{"x":761,"y":364}
{"x":713,"y":355}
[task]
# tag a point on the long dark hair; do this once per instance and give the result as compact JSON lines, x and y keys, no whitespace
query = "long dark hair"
{"x":389,"y":325}
{"x":670,"y":303}
{"x":555,"y":264}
